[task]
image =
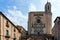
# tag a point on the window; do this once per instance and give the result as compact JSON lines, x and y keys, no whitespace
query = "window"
{"x":32,"y":32}
{"x":7,"y":32}
{"x":38,"y":20}
{"x":14,"y":37}
{"x":38,"y":33}
{"x":7,"y":35}
{"x":7,"y":25}
{"x":14,"y":30}
{"x":48,"y":7}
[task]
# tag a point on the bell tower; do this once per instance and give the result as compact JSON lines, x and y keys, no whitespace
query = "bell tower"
{"x":48,"y":7}
{"x":40,"y":22}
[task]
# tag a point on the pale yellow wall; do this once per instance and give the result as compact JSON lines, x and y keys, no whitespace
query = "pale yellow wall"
{"x":17,"y":34}
{"x":2,"y":28}
{"x":10,"y":29}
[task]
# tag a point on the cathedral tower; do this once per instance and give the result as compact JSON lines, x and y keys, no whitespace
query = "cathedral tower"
{"x":40,"y":22}
{"x":48,"y":7}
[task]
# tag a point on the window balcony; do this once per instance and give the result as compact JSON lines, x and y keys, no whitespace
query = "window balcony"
{"x":7,"y":25}
{"x":7,"y":36}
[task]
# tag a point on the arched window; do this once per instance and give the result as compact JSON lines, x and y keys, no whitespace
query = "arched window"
{"x":48,"y":7}
{"x":7,"y":24}
{"x":7,"y":32}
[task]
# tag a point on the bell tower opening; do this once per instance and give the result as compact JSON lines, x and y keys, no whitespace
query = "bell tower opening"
{"x":48,"y":7}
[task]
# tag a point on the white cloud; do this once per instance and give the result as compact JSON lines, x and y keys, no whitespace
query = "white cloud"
{"x":32,"y":7}
{"x":52,"y":1}
{"x":55,"y":9}
{"x":14,"y":7}
{"x":17,"y":17}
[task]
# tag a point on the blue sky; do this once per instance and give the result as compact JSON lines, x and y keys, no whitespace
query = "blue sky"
{"x":17,"y":10}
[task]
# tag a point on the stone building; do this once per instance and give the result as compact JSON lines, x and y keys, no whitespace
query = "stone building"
{"x":23,"y":32}
{"x":8,"y":31}
{"x":56,"y":29}
{"x":40,"y":24}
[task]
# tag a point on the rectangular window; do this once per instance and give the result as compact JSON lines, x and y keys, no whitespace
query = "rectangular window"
{"x":7,"y":33}
{"x":7,"y":25}
{"x":14,"y":30}
{"x":14,"y":37}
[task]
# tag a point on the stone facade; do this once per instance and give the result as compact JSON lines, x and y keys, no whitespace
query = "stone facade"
{"x":40,"y":24}
{"x":40,"y":21}
{"x":8,"y":31}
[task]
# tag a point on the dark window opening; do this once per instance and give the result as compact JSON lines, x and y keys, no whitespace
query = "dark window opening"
{"x":14,"y":37}
{"x":38,"y":20}
{"x":14,"y":30}
{"x":7,"y":33}
{"x":38,"y":33}
{"x":7,"y":25}
{"x":48,"y":7}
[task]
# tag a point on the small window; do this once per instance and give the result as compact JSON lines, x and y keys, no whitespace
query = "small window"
{"x":7,"y":32}
{"x":38,"y":33}
{"x":14,"y":37}
{"x":48,"y":7}
{"x":14,"y":30}
{"x":38,"y":20}
{"x":7,"y":25}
